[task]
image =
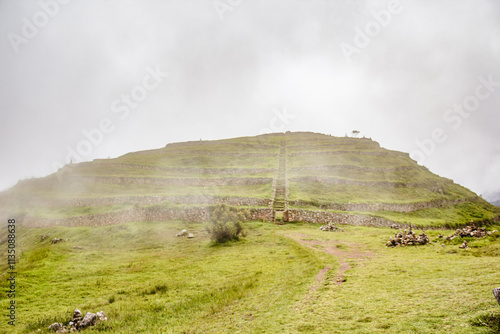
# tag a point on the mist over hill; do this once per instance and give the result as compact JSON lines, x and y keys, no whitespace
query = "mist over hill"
{"x":306,"y":176}
{"x":113,"y":225}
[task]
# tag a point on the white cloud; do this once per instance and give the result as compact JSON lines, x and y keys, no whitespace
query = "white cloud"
{"x":225,"y":77}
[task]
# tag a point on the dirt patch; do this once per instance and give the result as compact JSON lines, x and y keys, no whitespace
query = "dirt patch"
{"x":320,"y":278}
{"x":343,"y":251}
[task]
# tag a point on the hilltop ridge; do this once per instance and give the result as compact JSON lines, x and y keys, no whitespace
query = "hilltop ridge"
{"x":304,"y":175}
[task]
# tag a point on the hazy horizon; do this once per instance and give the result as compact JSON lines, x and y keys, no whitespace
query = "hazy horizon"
{"x":104,"y":79}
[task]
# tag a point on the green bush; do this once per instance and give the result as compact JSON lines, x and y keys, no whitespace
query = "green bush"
{"x":226,"y":223}
{"x":491,"y":320}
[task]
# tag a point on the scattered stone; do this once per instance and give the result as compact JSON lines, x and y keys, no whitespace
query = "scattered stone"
{"x":56,"y":327}
{"x":182,"y":233}
{"x":395,"y":226}
{"x":77,"y":316}
{"x":496,"y":293}
{"x":45,"y":236}
{"x":331,"y":226}
{"x":78,"y":247}
{"x":440,"y":236}
{"x":464,"y":245}
{"x":89,"y":320}
{"x":409,"y":238}
{"x":102,"y":316}
{"x":78,"y":322}
{"x":190,"y":235}
{"x":470,"y":231}
{"x":56,"y":240}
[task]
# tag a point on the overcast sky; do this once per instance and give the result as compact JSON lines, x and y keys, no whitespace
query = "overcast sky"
{"x":416,"y":76}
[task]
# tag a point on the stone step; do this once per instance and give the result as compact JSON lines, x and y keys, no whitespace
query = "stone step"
{"x":279,"y":201}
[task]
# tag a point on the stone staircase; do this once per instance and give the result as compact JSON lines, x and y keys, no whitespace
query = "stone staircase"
{"x":280,"y":200}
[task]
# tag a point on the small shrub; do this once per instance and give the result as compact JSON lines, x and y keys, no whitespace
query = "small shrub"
{"x":226,"y":224}
{"x":159,"y":288}
{"x":490,"y":320}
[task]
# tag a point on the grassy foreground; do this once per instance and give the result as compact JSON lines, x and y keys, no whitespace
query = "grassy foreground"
{"x":149,"y":281}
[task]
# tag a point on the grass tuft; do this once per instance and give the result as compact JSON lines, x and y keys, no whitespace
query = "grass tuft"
{"x":490,"y":320}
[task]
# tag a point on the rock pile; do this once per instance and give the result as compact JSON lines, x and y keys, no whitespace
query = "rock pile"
{"x":331,"y":227}
{"x":409,"y":238}
{"x":78,"y":322}
{"x":470,"y":231}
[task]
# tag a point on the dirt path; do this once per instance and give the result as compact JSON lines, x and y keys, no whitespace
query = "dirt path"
{"x":320,"y":278}
{"x":343,"y":251}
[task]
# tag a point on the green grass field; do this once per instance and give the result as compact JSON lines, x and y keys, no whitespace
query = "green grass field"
{"x":149,"y":281}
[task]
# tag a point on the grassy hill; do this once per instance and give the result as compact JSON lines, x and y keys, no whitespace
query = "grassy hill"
{"x":307,"y":171}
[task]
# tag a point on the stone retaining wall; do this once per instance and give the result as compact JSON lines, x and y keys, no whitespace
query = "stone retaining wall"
{"x":233,"y":201}
{"x":193,"y":214}
{"x":198,"y":214}
{"x":376,"y":153}
{"x":202,"y":214}
{"x":231,"y":154}
{"x":151,"y":200}
{"x":184,"y":170}
{"x":321,"y":217}
{"x":329,"y":142}
{"x":353,"y":167}
{"x":216,"y":142}
{"x":226,"y":181}
{"x":433,"y":186}
{"x":369,"y":207}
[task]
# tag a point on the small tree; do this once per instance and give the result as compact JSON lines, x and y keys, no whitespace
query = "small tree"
{"x":226,"y":224}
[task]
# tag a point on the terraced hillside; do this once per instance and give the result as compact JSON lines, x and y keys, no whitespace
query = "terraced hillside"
{"x":311,"y":177}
